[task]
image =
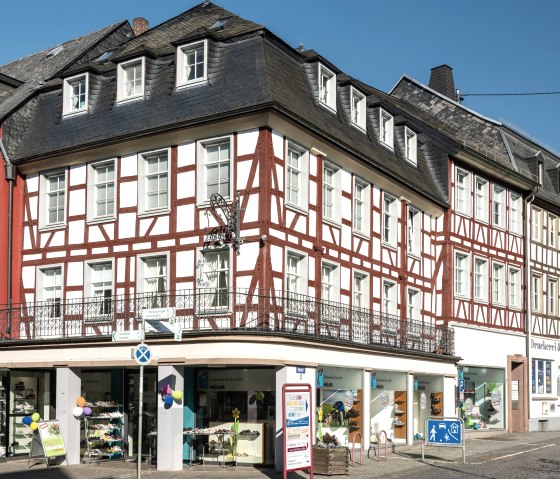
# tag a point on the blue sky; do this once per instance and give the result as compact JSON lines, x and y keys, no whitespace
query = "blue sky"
{"x":494,"y":46}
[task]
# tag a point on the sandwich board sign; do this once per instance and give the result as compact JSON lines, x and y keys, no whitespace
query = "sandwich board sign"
{"x":48,"y":442}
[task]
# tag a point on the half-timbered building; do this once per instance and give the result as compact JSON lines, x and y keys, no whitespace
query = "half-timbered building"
{"x":261,"y":218}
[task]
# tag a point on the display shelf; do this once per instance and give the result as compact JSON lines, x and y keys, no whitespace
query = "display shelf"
{"x":399,"y":415}
{"x":103,"y":432}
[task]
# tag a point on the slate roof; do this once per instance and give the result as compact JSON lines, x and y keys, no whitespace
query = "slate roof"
{"x":249,"y":69}
{"x":34,"y":70}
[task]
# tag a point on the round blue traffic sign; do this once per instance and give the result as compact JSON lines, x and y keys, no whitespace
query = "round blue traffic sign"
{"x":143,"y":354}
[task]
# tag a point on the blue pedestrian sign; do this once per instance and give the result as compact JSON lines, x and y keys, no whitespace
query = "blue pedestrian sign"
{"x":142,"y":354}
{"x":444,"y":432}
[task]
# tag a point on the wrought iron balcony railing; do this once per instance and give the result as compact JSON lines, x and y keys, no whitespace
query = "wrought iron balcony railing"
{"x":224,"y":310}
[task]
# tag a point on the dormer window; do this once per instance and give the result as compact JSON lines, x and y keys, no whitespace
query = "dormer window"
{"x":358,"y":107}
{"x":410,"y":145}
{"x":75,"y":94}
{"x":130,"y":79}
{"x":386,"y":128}
{"x":191,"y":63}
{"x":327,"y":87}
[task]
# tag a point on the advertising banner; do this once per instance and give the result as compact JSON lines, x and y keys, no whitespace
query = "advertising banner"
{"x":297,"y":408}
{"x":53,"y":445}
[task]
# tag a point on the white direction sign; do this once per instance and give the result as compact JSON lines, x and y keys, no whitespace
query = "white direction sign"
{"x":133,"y":335}
{"x":142,"y":354}
{"x":158,"y":314}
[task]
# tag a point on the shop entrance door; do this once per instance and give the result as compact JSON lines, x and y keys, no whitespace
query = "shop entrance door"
{"x":149,"y":420}
{"x":517,"y":392}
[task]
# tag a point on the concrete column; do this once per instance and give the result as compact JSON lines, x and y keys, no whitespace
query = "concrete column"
{"x":289,"y":375}
{"x":410,"y":408}
{"x":366,"y":408}
{"x":170,"y":421}
{"x":68,"y":389}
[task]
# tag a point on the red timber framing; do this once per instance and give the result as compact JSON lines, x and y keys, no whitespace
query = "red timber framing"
{"x":269,"y":227}
{"x":466,"y":234}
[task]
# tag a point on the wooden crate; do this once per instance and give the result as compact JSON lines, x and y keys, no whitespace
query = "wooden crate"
{"x":330,"y":461}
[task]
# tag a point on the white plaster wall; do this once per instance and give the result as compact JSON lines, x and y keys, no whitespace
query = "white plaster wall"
{"x":77,"y":202}
{"x":247,"y":142}
{"x":129,"y":165}
{"x":77,"y":175}
{"x":127,"y":225}
{"x":185,"y":218}
{"x":128,"y":196}
{"x":482,"y":347}
{"x":186,"y":155}
{"x":278,"y":144}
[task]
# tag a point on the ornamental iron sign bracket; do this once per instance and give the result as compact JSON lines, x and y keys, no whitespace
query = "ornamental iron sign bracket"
{"x":227,"y":232}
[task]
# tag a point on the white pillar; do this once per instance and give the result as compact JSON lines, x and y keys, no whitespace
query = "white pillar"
{"x":170,"y":421}
{"x":366,"y":409}
{"x":285,"y":375}
{"x":410,"y":409}
{"x":449,"y":400}
{"x":68,"y":389}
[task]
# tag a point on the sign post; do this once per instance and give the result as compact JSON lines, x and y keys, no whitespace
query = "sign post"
{"x":143,"y":356}
{"x":297,"y":408}
{"x":445,"y":432}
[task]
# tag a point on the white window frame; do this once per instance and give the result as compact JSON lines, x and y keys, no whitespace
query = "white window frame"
{"x":361,"y":204}
{"x":389,"y":298}
{"x":326,"y":80}
{"x":386,"y":128}
{"x":358,"y":109}
{"x":480,"y":277}
{"x":390,"y":220}
{"x":552,"y":296}
{"x":335,"y":191}
{"x":414,"y":231}
{"x":414,"y":304}
{"x":498,"y":206}
{"x":121,"y":79}
{"x":410,"y":145}
{"x":330,"y":290}
{"x":481,"y":200}
{"x":56,"y":310}
{"x":106,"y":303}
{"x":514,"y":287}
{"x":141,"y":276}
{"x":536,"y":222}
{"x":498,"y":283}
{"x":302,"y":170}
{"x":552,"y":234}
{"x":143,"y":207}
{"x":44,"y":197}
{"x":463,"y":192}
{"x":536,"y":292}
{"x":360,"y":296}
{"x":516,"y":213}
{"x":216,"y":301}
{"x":302,"y":276}
{"x":92,"y":216}
{"x":182,"y":54}
{"x":203,"y":198}
{"x":461,"y":274}
{"x":68,"y":94}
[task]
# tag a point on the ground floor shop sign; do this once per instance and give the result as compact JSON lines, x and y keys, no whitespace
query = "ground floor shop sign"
{"x":47,"y":442}
{"x":297,"y":408}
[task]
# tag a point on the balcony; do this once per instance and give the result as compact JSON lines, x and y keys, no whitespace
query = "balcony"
{"x":224,"y":311}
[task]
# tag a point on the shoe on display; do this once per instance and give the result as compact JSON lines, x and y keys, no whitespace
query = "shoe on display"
{"x":436,"y":411}
{"x":436,"y":400}
{"x":397,"y":422}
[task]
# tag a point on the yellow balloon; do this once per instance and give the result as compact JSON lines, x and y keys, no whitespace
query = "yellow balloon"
{"x":33,"y":426}
{"x":36,"y":416}
{"x":177,"y":395}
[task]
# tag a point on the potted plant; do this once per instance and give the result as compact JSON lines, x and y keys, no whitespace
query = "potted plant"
{"x":329,"y":457}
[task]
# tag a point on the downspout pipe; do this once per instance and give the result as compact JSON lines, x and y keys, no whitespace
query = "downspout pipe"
{"x":10,"y":173}
{"x":528,"y":290}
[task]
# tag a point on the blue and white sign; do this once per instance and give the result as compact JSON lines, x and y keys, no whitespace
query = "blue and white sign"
{"x":142,"y":354}
{"x":461,"y":385}
{"x":444,"y":432}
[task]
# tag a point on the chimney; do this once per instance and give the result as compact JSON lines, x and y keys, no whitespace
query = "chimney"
{"x":441,"y":80}
{"x":139,"y":25}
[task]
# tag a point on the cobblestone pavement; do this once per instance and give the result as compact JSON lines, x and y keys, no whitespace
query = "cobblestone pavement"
{"x":482,"y":448}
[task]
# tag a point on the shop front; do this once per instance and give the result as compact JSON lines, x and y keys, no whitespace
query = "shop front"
{"x":389,"y":405}
{"x":242,"y":400}
{"x":483,"y":403}
{"x":428,"y":401}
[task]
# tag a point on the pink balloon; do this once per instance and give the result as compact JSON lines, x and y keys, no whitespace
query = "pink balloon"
{"x":166,"y":390}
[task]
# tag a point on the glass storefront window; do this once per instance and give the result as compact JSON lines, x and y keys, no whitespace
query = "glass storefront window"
{"x":541,"y":377}
{"x":483,"y":405}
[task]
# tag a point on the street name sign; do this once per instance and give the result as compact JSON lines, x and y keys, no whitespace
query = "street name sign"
{"x":132,"y":335}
